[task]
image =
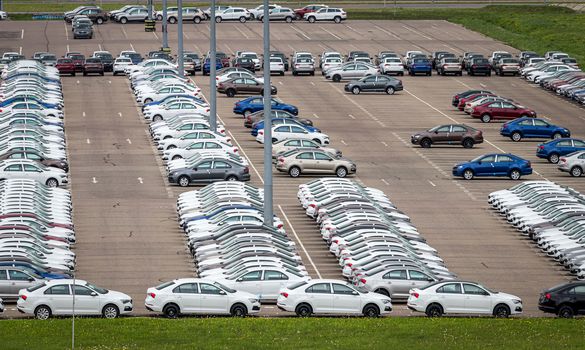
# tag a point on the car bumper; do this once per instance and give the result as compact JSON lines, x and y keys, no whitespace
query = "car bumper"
{"x":548,"y":309}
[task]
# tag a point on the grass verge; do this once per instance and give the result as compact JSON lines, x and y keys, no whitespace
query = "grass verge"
{"x":294,"y":333}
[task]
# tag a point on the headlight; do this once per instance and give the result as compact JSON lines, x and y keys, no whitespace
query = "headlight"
{"x":386,"y":301}
{"x":517,"y":301}
{"x":126,"y":301}
{"x":253,"y":301}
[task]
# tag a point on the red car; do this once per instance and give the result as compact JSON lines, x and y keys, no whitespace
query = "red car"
{"x":93,"y":65}
{"x":501,"y":110}
{"x":309,"y":8}
{"x":78,"y":60}
{"x":65,"y":66}
{"x":224,"y":58}
{"x":464,"y":100}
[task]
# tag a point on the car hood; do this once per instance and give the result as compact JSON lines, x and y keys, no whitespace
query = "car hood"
{"x":117,"y":295}
{"x":505,"y":295}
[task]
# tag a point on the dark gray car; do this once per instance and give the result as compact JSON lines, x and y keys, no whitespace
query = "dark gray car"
{"x":210,"y":170}
{"x":13,"y":279}
{"x":83,"y":32}
{"x":375,"y":83}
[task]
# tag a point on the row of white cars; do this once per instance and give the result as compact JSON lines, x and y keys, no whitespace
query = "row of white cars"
{"x":550,"y":214}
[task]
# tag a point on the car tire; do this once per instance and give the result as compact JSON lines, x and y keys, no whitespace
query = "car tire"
{"x":123,"y":20}
{"x":382,"y":291}
{"x":557,"y":135}
{"x":303,"y":310}
{"x":238,"y":310}
{"x":426,"y":143}
{"x":468,"y":143}
{"x":148,"y":100}
{"x":553,"y":158}
{"x":230,"y":92}
{"x":576,"y":171}
{"x":171,"y":311}
{"x":371,"y":310}
{"x":183,"y":181}
{"x":110,"y":311}
{"x":176,"y":156}
{"x":42,"y":312}
{"x":288,"y":19}
{"x":516,"y":136}
{"x":311,"y":19}
{"x":486,"y":118}
{"x":159,"y":18}
{"x":99,"y":20}
{"x":231,"y":178}
{"x":434,"y":310}
{"x":337,"y":19}
{"x":565,"y":311}
{"x":336,"y":78}
{"x":247,"y":112}
{"x":356,"y":90}
{"x":197,"y":20}
{"x":73,"y":74}
{"x":217,"y":19}
{"x":242,"y":19}
{"x":52,"y":182}
{"x":294,"y":171}
{"x":341,"y":172}
{"x":157,"y":118}
{"x":515,"y":174}
{"x":502,"y":311}
{"x":468,"y":174}
{"x":390,"y":90}
{"x":172,"y":20}
{"x":84,"y":74}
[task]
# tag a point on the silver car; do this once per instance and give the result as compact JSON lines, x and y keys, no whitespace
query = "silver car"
{"x":13,"y":279}
{"x":303,"y":65}
{"x":280,"y":14}
{"x":352,"y":71}
{"x":573,"y":163}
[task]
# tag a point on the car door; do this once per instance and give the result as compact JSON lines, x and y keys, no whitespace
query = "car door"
{"x":442,"y":135}
{"x":418,"y":279}
{"x":250,"y":282}
{"x":451,"y":298}
{"x":282,"y":132}
{"x":306,"y":161}
{"x":33,"y":172}
{"x":346,"y":300}
{"x":87,"y":301}
{"x":563,"y":147}
{"x":188,"y":297}
{"x":541,"y":128}
{"x":228,"y":14}
{"x":369,"y":84}
{"x":320,"y":297}
{"x":324,"y":163}
{"x":253,"y":86}
{"x":5,"y":285}
{"x":202,"y":172}
{"x":510,"y":111}
{"x":297,"y":131}
{"x":396,"y":281}
{"x":220,"y":170}
{"x":360,"y":71}
{"x":17,"y":280}
{"x":213,"y":299}
{"x":272,"y":283}
{"x":485,"y":166}
{"x":477,"y":299}
{"x":14,"y":170}
{"x":456,"y":134}
{"x":292,"y":144}
{"x":580,"y":299}
{"x":578,"y":145}
{"x":496,"y":110}
{"x":58,"y":298}
{"x":348,"y":72}
{"x":502,"y":165}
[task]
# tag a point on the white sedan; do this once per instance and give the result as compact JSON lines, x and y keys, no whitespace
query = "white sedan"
{"x":461,"y":297}
{"x":160,"y":112}
{"x":55,"y":298}
{"x":160,"y":94}
{"x":29,"y":169}
{"x":285,"y":132}
{"x":199,"y":296}
{"x":392,"y":65}
{"x":322,"y":296}
{"x":21,"y":107}
{"x":197,"y":147}
{"x":185,"y":128}
{"x":188,"y":139}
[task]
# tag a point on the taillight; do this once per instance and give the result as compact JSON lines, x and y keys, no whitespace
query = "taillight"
{"x":415,"y":294}
{"x":280,"y":159}
{"x":235,"y":150}
{"x":246,"y":170}
{"x":473,"y":66}
{"x":547,"y":296}
{"x":350,"y":265}
{"x":312,"y":205}
{"x":152,"y":295}
{"x":541,"y":147}
{"x":363,"y":280}
{"x":279,"y":226}
{"x":23,"y":297}
{"x":562,"y":160}
{"x":336,"y":241}
{"x":284,"y":294}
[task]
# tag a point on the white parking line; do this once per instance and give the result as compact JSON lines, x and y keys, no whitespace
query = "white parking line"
{"x":66,"y":33}
{"x":353,"y":30}
{"x":124,"y":32}
{"x":384,"y":143}
{"x":462,"y":83}
{"x":280,"y":82}
{"x":387,"y":32}
{"x":229,"y":49}
{"x":140,"y":180}
{"x":315,"y":115}
{"x":417,"y":32}
{"x":432,"y":184}
{"x":242,"y":32}
{"x":385,"y":182}
{"x":186,"y":35}
{"x":129,"y":141}
{"x":100,"y":47}
{"x":109,"y":81}
{"x":83,"y":114}
{"x":88,"y":141}
{"x":300,"y":243}
{"x":351,"y":116}
{"x":332,"y":34}
{"x":120,"y":114}
{"x":482,"y":85}
{"x":312,"y":83}
{"x":132,"y":47}
{"x":20,"y":50}
{"x":94,"y":180}
{"x":155,"y":35}
{"x":22,"y":34}
{"x":343,"y":142}
{"x":68,"y":49}
{"x":301,"y":32}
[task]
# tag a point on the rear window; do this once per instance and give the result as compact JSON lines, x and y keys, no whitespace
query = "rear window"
{"x":77,"y":57}
{"x":93,"y":60}
{"x":164,"y":285}
{"x":480,"y":61}
{"x":36,"y":286}
{"x":509,"y":60}
{"x":451,"y":60}
{"x":64,"y":60}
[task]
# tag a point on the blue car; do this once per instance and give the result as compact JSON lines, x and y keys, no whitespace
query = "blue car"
{"x":420,"y":65}
{"x":207,"y":65}
{"x":26,"y":99}
{"x":36,"y":271}
{"x":495,"y":164}
{"x":255,"y":104}
{"x":532,"y":128}
{"x":276,"y":121}
{"x":554,"y":149}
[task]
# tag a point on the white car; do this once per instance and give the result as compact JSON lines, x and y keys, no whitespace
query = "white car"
{"x":259,"y":10}
{"x":199,"y":296}
{"x":322,"y":296}
{"x":32,"y":106}
{"x":276,"y":65}
{"x":188,"y":138}
{"x":285,"y":132}
{"x":461,"y":297}
{"x":233,"y":14}
{"x":3,"y":16}
{"x":326,"y":14}
{"x":120,"y":65}
{"x":197,"y":147}
{"x":184,"y":127}
{"x":55,"y":298}
{"x":330,"y":63}
{"x":160,"y":112}
{"x":30,"y":169}
{"x":392,"y":65}
{"x":161,"y":93}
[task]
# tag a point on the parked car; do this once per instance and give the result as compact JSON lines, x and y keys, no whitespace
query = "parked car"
{"x":297,"y":162}
{"x":351,"y":71}
{"x":244,"y":62}
{"x":66,"y":66}
{"x":30,"y":169}
{"x":192,"y":14}
{"x":376,"y":83}
{"x":326,"y":14}
{"x":572,"y":163}
{"x":293,"y":144}
{"x":282,"y":56}
{"x":136,"y":14}
{"x":13,"y":279}
{"x":494,"y":165}
{"x":303,"y":65}
{"x":286,"y":131}
{"x":507,"y":66}
{"x":554,"y":149}
{"x":420,"y":65}
{"x":83,"y":32}
{"x":93,"y":65}
{"x":497,"y":110}
{"x":449,"y":65}
{"x":210,"y":170}
{"x":453,"y":134}
{"x":243,"y":86}
{"x":107,"y":59}
{"x":277,"y":65}
{"x":478,"y":66}
{"x":55,"y":298}
{"x":462,"y":297}
{"x":565,"y":300}
{"x":300,"y":13}
{"x":395,"y":282}
{"x":36,"y":156}
{"x":456,"y":98}
{"x":192,"y":296}
{"x":233,"y":14}
{"x":255,"y":104}
{"x":279,"y":14}
{"x":255,"y":117}
{"x":207,"y":65}
{"x":532,"y":128}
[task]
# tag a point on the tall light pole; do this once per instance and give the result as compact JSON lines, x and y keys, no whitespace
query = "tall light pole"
{"x":165,"y":42}
{"x":149,"y":6}
{"x":212,"y":68}
{"x":268,"y":214}
{"x":180,"y":34}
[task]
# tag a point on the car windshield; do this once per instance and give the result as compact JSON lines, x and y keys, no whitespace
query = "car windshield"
{"x":221,"y":286}
{"x":480,"y":61}
{"x":48,"y":57}
{"x":104,"y":55}
{"x":434,"y":128}
{"x":93,"y":60}
{"x":451,"y":60}
{"x":96,"y":288}
{"x":77,"y":57}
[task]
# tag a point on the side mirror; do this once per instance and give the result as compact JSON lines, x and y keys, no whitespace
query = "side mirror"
{"x":93,"y":294}
{"x":30,"y":279}
{"x":355,"y":293}
{"x":436,"y":131}
{"x":239,"y":279}
{"x":430,"y":280}
{"x":221,"y":292}
{"x":479,"y":162}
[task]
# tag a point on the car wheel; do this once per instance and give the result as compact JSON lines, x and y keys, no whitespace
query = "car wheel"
{"x":123,"y":20}
{"x":515,"y":174}
{"x":171,"y":311}
{"x":110,"y":311}
{"x":148,"y":100}
{"x":516,"y":136}
{"x":337,"y":78}
{"x":371,"y":310}
{"x":73,"y":74}
{"x":157,"y":118}
{"x":341,"y":172}
{"x":468,"y":174}
{"x":232,"y":178}
{"x":312,"y":19}
{"x":183,"y":181}
{"x":337,"y":19}
{"x":304,"y":310}
{"x":42,"y":312}
{"x":242,"y":19}
{"x":230,"y":92}
{"x":159,"y":18}
{"x":390,"y":90}
{"x":99,"y":21}
{"x":289,"y":20}
{"x":217,"y":19}
{"x":566,"y":311}
{"x":382,"y":291}
{"x":238,"y":310}
{"x":356,"y":90}
{"x":425,"y":143}
{"x":247,"y":113}
{"x":576,"y":171}
{"x":52,"y":182}
{"x":486,"y":118}
{"x":172,"y":20}
{"x":177,"y":157}
{"x":502,"y":311}
{"x":434,"y":310}
{"x":557,"y":135}
{"x":197,"y":20}
{"x":553,"y":158}
{"x":294,"y":171}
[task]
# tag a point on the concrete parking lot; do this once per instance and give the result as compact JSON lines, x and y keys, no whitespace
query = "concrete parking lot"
{"x":128,"y":238}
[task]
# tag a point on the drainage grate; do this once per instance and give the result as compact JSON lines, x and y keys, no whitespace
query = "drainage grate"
{"x":9,"y":35}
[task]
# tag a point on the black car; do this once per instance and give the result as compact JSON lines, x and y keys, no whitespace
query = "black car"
{"x":210,"y":170}
{"x":83,"y":32}
{"x":374,"y":83}
{"x":280,"y":55}
{"x":565,"y":300}
{"x":107,"y":60}
{"x":244,"y":62}
{"x":479,"y":66}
